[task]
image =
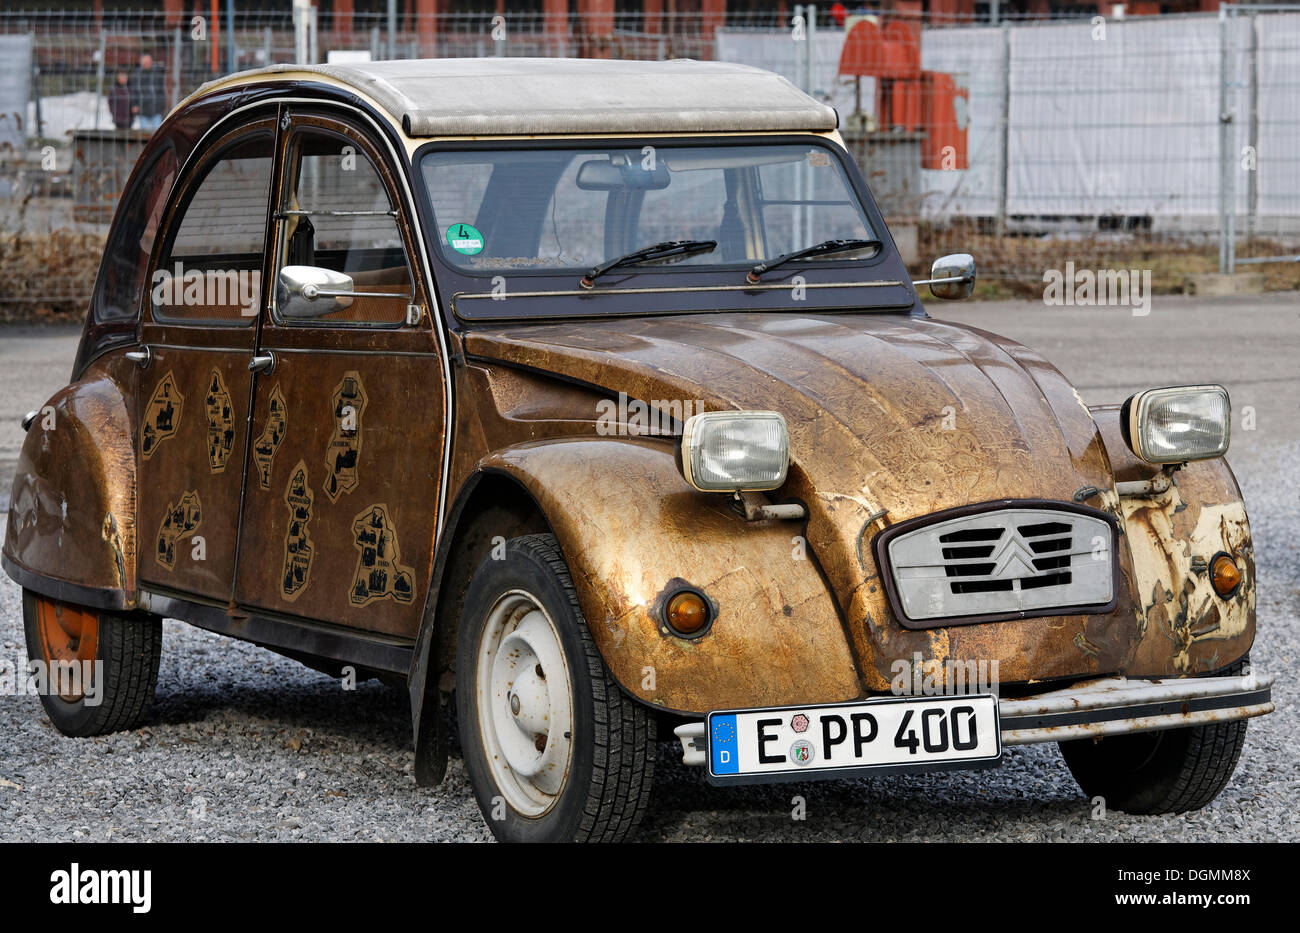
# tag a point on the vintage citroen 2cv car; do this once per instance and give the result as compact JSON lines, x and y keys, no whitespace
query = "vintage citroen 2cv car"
{"x":595,"y":398}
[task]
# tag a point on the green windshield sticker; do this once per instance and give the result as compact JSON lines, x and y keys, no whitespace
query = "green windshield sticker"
{"x":465,"y":239}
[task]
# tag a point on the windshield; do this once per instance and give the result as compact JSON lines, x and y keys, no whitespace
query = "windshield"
{"x":546,"y":211}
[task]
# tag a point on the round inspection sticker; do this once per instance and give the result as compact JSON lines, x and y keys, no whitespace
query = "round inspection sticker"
{"x":465,"y":239}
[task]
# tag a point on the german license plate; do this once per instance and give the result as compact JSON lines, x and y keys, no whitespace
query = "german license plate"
{"x":889,"y":734}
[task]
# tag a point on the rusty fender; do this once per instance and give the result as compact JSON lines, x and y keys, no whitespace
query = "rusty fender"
{"x":632,"y":531}
{"x":71,"y":527}
{"x":1185,"y":627}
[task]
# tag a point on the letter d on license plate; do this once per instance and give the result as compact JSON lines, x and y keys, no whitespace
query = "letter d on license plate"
{"x":889,"y":734}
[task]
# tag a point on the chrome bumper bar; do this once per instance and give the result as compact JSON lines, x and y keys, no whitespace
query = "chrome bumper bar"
{"x":1097,"y":708}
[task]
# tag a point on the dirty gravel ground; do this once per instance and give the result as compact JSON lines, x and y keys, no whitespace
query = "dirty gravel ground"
{"x":246,"y":745}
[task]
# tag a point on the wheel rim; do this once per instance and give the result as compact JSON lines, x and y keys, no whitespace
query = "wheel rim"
{"x":68,"y":634}
{"x":525,"y":704}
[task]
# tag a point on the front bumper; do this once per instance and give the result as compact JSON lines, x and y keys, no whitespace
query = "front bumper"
{"x":1098,"y":708}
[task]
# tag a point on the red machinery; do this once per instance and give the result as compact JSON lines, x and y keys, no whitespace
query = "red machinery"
{"x":908,"y":98}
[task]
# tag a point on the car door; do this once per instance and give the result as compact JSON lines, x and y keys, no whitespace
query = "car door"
{"x":345,"y":467}
{"x":198,"y":327}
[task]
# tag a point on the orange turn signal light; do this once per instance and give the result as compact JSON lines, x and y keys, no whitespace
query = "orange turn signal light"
{"x":687,"y":612}
{"x":1225,"y":575}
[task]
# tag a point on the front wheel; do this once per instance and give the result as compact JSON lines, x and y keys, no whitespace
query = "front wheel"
{"x":100,"y":668}
{"x":1169,"y":771}
{"x":554,"y":750}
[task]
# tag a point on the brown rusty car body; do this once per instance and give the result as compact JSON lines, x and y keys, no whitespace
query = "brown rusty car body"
{"x":328,"y":485}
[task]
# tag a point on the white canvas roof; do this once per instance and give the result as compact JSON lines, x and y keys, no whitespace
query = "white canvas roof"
{"x":533,"y":96}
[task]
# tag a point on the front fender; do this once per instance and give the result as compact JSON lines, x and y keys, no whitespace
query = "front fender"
{"x":1186,"y":628}
{"x":70,"y":532}
{"x":631,"y":530}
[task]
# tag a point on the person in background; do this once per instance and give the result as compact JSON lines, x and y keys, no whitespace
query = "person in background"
{"x":119,"y":102}
{"x":149,"y":94}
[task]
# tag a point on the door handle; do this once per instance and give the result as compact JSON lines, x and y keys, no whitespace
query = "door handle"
{"x":141,"y":357}
{"x":261,"y":363}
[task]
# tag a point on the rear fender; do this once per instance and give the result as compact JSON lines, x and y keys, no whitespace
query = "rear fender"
{"x":70,"y":532}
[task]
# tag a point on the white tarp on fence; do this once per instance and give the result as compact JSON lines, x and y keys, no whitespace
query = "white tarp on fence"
{"x":1125,"y":125}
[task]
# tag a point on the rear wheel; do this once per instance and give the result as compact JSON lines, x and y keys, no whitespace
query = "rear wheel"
{"x":554,"y":750}
{"x":101,"y":668}
{"x":1170,"y":771}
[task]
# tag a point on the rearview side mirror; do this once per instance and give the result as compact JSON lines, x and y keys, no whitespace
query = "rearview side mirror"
{"x":310,"y":291}
{"x":952,"y":277}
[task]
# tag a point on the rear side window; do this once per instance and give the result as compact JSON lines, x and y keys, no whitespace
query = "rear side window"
{"x":211,"y":268}
{"x":126,"y":255}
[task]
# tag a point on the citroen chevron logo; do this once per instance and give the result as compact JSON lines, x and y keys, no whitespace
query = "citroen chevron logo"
{"x":1013,"y":560}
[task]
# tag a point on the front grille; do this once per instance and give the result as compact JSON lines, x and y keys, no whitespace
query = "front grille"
{"x":977,"y":564}
{"x":1007,"y":561}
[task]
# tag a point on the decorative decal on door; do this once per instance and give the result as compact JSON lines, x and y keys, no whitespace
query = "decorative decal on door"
{"x":297,"y":544}
{"x":180,"y":521}
{"x":344,"y":450}
{"x":162,"y":416}
{"x":221,"y":422}
{"x":379,"y":571}
{"x":268,"y":442}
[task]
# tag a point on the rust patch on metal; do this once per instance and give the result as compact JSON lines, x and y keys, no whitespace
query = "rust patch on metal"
{"x":1081,"y":642}
{"x":221,"y":422}
{"x":298,"y":549}
{"x":162,"y":415}
{"x":380,"y":572}
{"x":109,"y":532}
{"x":1172,"y":537}
{"x":180,"y":521}
{"x":268,"y":442}
{"x":343,"y":455}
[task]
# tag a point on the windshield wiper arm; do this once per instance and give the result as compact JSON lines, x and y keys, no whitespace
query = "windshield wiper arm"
{"x":819,"y":249}
{"x":664,"y":250}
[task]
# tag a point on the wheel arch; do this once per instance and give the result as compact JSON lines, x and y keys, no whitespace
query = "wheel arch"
{"x":70,"y":532}
{"x":489,"y":502}
{"x":631,"y":531}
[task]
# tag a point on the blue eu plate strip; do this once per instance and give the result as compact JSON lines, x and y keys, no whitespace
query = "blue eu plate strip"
{"x":723,"y":753}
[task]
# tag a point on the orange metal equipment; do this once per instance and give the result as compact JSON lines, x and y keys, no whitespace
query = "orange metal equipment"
{"x":945,"y":112}
{"x":908,"y":98}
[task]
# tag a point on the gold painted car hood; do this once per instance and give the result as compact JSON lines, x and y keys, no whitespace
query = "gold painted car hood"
{"x":904,"y":415}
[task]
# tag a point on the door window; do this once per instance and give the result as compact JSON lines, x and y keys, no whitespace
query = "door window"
{"x":211,"y":268}
{"x":337,"y":214}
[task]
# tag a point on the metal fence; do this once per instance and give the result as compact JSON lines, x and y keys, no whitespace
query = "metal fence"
{"x":1166,"y":142}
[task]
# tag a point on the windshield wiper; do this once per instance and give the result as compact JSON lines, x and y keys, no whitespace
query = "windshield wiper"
{"x":664,"y":250}
{"x":819,"y":249}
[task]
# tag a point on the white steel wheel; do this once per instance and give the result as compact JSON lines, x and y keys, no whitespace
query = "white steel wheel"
{"x":554,"y":749}
{"x":525,"y":703}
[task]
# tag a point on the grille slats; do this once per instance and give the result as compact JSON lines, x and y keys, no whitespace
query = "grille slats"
{"x":1003,"y":560}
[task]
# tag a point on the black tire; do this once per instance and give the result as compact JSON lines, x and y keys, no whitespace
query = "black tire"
{"x":611,"y":762}
{"x":129,"y":647}
{"x":1170,"y":771}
